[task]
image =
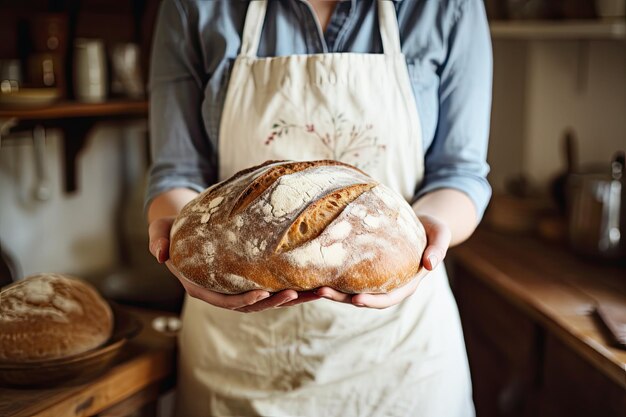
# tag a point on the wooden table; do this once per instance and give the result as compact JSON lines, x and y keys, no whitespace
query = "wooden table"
{"x":144,"y":370}
{"x":531,"y":305}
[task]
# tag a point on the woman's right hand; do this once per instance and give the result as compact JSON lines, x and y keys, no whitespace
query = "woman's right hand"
{"x":251,"y":301}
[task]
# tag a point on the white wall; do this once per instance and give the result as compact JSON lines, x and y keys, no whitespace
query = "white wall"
{"x":508,"y":111}
{"x":582,"y":85}
{"x":540,"y":89}
{"x":71,"y":233}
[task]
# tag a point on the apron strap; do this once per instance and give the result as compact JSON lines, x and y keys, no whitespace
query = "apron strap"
{"x":389,"y":31}
{"x":255,"y":17}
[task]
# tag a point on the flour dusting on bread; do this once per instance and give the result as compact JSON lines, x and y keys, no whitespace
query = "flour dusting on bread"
{"x":314,"y":254}
{"x":339,"y":230}
{"x":48,"y":316}
{"x":295,"y":190}
{"x":38,"y":298}
{"x":298,"y":225}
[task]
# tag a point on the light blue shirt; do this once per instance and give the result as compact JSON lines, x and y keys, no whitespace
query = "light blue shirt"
{"x":448,"y":53}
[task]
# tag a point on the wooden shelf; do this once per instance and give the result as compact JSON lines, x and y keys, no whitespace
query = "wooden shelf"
{"x":610,"y":29}
{"x":76,"y":120}
{"x":73,"y":109}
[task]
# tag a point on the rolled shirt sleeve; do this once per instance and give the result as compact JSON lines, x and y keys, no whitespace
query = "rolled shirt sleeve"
{"x":457,"y":156}
{"x":182,"y":155}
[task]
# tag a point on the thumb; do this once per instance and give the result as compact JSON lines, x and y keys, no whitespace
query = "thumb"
{"x":438,"y":240}
{"x":159,"y":235}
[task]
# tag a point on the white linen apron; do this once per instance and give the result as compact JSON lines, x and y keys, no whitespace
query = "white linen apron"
{"x":324,"y":358}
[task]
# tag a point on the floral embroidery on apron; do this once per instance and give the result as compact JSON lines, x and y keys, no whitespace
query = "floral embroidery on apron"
{"x":339,"y":139}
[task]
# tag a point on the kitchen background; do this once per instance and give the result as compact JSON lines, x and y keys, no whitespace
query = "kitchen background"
{"x":559,"y":66}
{"x":544,"y":83}
{"x":88,"y":221}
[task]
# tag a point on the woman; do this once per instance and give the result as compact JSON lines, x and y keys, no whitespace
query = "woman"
{"x":235,"y":83}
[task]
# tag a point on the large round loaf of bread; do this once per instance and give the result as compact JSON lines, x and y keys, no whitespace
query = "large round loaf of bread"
{"x":50,"y":316}
{"x":298,"y":225}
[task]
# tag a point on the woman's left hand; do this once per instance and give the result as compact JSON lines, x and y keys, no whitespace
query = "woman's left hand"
{"x":438,"y":237}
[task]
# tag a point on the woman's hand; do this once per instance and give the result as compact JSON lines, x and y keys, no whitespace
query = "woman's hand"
{"x":251,"y":301}
{"x":438,"y":237}
{"x":247,"y":302}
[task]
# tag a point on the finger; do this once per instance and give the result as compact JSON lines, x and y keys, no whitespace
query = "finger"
{"x":274,"y":301}
{"x":159,"y":233}
{"x":162,"y":249}
{"x":334,"y":295}
{"x":438,"y":242}
{"x":230,"y":302}
{"x":303,"y":297}
{"x":389,"y":299}
{"x":432,"y":257}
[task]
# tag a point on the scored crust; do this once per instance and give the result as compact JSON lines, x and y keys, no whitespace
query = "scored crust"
{"x":298,"y":225}
{"x":317,"y":216}
{"x":264,"y":181}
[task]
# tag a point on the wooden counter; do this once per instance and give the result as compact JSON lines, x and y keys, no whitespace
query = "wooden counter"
{"x":144,"y":369}
{"x":532,"y":303}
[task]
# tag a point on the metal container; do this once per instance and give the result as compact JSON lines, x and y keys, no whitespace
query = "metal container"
{"x":597,"y":211}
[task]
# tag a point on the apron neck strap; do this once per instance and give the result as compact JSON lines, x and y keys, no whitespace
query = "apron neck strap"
{"x":388,"y":24}
{"x":255,"y":17}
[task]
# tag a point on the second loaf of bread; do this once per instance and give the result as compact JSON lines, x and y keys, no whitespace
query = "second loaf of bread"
{"x":298,"y":225}
{"x":50,"y":316}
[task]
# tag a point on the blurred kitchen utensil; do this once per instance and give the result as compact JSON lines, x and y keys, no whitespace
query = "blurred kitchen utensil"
{"x":597,"y":213}
{"x":90,"y":76}
{"x":10,"y":75}
{"x":48,"y":32}
{"x":49,"y":42}
{"x":126,"y":71}
{"x":44,"y":70}
{"x":570,"y":156}
{"x":167,"y":325}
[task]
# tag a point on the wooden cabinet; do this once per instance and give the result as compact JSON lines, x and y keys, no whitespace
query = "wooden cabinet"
{"x":572,"y":387}
{"x":504,"y":349}
{"x":535,"y":347}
